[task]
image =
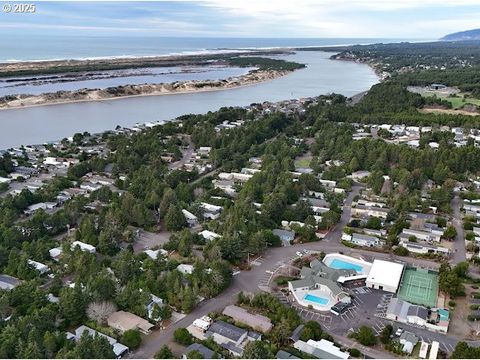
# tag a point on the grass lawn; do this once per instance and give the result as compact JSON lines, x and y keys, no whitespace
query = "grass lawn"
{"x":302,"y":163}
{"x":458,"y":102}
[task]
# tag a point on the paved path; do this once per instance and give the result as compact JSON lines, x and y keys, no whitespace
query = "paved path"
{"x":249,"y":281}
{"x":186,"y":156}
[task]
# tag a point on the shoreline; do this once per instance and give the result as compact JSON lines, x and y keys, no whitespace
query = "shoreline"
{"x":228,"y":86}
{"x":58,"y":66}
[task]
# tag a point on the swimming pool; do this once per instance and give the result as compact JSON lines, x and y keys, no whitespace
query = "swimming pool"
{"x":316,"y":299}
{"x":344,"y":265}
{"x":444,"y":314}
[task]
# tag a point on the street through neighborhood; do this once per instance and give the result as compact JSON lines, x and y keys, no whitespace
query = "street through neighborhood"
{"x":263,"y":269}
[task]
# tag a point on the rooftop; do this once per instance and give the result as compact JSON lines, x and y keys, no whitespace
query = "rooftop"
{"x":257,"y":322}
{"x":232,"y":332}
{"x":385,"y":272}
{"x":202,"y":349}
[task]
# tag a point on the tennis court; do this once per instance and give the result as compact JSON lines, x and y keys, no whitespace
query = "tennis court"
{"x":419,"y":286}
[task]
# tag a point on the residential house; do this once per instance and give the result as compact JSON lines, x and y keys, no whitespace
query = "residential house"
{"x":123,"y":321}
{"x":285,"y":236}
{"x":423,"y":248}
{"x":40,"y":206}
{"x":255,"y":321}
{"x":202,"y":349}
{"x":41,"y":268}
{"x":209,"y":235}
{"x":185,"y":268}
{"x":408,"y":340}
{"x":84,"y":247}
{"x":192,"y":220}
{"x":426,"y":217}
{"x":204,"y":150}
{"x":230,"y":336}
{"x":359,"y":175}
{"x":210,"y":211}
{"x":367,"y":211}
{"x":365,"y":240}
{"x":90,"y":186}
{"x":227,"y":186}
{"x":154,"y":301}
{"x":118,"y":348}
{"x":329,"y":184}
{"x":322,"y":349}
{"x":23,"y":172}
{"x":8,"y":282}
{"x":427,"y":235}
{"x":153,"y":254}
{"x":56,"y":253}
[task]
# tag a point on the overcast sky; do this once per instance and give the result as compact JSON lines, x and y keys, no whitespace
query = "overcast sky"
{"x":421,"y":19}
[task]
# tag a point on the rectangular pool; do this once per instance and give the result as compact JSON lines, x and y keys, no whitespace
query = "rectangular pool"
{"x":316,"y":299}
{"x":444,"y":314}
{"x":343,"y":265}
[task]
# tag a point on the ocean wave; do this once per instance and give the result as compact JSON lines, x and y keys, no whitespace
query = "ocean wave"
{"x":132,"y":56}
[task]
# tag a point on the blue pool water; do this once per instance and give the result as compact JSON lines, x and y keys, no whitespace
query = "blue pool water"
{"x":316,"y":299}
{"x":444,"y":314}
{"x":340,"y":264}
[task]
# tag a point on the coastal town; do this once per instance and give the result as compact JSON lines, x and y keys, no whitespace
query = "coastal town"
{"x":239,"y":180}
{"x":348,"y":266}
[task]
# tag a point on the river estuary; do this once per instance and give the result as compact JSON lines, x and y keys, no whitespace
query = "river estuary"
{"x":40,"y":124}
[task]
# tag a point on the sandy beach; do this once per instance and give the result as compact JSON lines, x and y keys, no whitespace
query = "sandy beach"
{"x":121,"y":92}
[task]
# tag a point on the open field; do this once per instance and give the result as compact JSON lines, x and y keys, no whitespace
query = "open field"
{"x":453,"y":95}
{"x":436,"y":110}
{"x":458,"y":101}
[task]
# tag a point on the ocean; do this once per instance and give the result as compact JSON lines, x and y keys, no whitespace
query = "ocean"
{"x":34,"y":47}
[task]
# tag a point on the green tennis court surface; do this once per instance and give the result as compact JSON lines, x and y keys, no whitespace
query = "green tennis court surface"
{"x":419,"y":286}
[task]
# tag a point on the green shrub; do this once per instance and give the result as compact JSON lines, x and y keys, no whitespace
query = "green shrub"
{"x":366,"y":336}
{"x":164,"y":353}
{"x":355,"y":353}
{"x":401,"y":251}
{"x":183,"y":337}
{"x":131,"y":338}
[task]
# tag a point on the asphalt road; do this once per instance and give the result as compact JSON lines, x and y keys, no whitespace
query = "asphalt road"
{"x":249,"y":281}
{"x":459,"y":253}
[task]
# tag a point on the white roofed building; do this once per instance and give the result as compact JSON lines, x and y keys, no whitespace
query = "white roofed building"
{"x":41,"y":268}
{"x":385,"y":275}
{"x":185,"y":268}
{"x":209,"y":235}
{"x":84,"y":247}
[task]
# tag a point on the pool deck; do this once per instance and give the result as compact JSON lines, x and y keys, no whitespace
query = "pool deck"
{"x":364,"y":265}
{"x":300,"y":298}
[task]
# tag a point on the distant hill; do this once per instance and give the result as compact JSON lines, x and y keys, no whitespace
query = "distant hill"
{"x":463,"y":35}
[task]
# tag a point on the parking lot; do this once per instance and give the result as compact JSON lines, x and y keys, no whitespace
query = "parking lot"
{"x":368,"y":308}
{"x":383,"y":305}
{"x":324,"y":319}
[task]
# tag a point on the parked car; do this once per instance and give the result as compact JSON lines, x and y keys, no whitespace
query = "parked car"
{"x":299,"y":253}
{"x":399,"y":332}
